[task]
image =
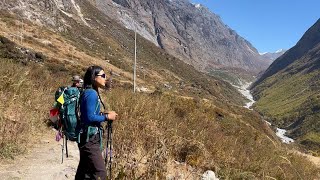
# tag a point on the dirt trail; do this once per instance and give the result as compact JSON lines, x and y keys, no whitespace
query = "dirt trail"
{"x":43,"y":162}
{"x":315,"y":160}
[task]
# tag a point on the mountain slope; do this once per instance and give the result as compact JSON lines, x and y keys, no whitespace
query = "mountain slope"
{"x":97,"y":35}
{"x":308,"y":41}
{"x":190,"y":32}
{"x":288,"y":90}
{"x":189,"y":120}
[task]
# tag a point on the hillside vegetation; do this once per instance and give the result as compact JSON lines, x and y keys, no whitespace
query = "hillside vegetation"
{"x":288,"y":92}
{"x":200,"y":124}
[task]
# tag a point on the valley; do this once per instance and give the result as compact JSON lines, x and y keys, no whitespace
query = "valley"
{"x":185,"y":119}
{"x":288,"y":91}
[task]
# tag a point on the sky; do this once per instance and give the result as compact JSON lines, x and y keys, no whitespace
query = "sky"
{"x":269,"y":25}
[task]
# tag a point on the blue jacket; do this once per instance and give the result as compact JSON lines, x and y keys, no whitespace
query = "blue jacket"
{"x":90,"y":108}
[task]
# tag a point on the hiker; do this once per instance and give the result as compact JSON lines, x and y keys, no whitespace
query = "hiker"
{"x":62,"y":114}
{"x":91,"y":163}
{"x":77,"y":82}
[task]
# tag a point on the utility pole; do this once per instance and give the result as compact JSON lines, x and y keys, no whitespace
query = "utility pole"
{"x":135,"y":60}
{"x":21,"y":30}
{"x":135,"y":52}
{"x":21,"y":25}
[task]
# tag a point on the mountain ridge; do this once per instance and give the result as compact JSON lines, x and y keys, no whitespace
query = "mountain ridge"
{"x":288,"y":90}
{"x":190,"y":118}
{"x":194,"y":34}
{"x":303,"y":45}
{"x":271,"y":56}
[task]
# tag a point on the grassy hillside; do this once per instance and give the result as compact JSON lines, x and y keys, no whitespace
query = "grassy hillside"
{"x":236,"y":144}
{"x":199,"y":124}
{"x":291,"y":99}
{"x":153,"y":130}
{"x":26,"y":89}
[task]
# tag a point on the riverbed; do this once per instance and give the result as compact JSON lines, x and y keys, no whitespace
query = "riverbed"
{"x":243,"y":89}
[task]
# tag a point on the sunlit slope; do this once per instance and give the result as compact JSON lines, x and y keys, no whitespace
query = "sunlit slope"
{"x":198,"y":122}
{"x":288,"y":92}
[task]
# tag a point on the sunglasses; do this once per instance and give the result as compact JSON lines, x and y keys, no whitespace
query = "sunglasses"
{"x":102,"y":75}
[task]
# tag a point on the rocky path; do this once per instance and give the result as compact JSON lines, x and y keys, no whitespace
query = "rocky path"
{"x":42,"y":162}
{"x":315,"y":160}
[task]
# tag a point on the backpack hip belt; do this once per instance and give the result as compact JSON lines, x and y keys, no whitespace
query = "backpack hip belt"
{"x":93,"y":130}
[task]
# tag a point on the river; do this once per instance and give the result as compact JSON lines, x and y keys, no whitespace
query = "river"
{"x":243,"y":89}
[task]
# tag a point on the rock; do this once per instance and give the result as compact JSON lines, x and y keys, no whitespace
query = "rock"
{"x":168,"y":86}
{"x":170,"y":177}
{"x":209,"y":175}
{"x":46,"y":42}
{"x":142,"y":89}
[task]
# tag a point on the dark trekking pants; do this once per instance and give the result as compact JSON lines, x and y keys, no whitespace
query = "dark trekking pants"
{"x":91,"y":165}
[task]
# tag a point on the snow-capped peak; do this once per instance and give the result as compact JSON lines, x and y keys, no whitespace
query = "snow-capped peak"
{"x":263,"y":53}
{"x":197,"y":5}
{"x":280,"y":50}
{"x":273,"y":55}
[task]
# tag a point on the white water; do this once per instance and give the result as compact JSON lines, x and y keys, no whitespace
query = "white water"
{"x":281,"y":134}
{"x":243,"y":90}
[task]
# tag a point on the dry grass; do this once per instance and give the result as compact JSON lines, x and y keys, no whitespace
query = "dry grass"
{"x":156,"y":129}
{"x":25,"y":92}
{"x":153,"y":129}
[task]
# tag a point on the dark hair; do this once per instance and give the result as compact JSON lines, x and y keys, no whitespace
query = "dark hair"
{"x":90,"y":75}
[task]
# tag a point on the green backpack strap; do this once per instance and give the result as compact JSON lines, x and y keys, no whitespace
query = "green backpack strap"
{"x":92,"y":130}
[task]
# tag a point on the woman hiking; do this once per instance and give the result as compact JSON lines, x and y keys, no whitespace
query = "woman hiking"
{"x":91,"y":165}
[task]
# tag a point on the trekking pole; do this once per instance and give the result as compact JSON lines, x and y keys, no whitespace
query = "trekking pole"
{"x":62,"y":149}
{"x":67,"y":147}
{"x":108,"y":161}
{"x":107,"y":145}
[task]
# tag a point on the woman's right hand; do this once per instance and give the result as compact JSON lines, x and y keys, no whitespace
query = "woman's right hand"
{"x":112,"y":115}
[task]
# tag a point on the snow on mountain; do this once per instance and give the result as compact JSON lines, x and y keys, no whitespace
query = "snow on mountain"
{"x":197,"y":5}
{"x":280,"y":50}
{"x":272,"y":55}
{"x":263,"y":53}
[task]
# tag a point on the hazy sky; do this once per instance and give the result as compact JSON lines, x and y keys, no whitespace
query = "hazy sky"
{"x":269,"y":25}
